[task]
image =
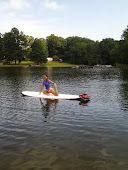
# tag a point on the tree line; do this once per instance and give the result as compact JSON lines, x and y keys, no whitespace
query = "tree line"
{"x":16,"y":46}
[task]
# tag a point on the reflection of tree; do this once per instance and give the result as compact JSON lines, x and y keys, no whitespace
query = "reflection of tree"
{"x":48,"y":106}
{"x":124,"y":74}
{"x":124,"y":89}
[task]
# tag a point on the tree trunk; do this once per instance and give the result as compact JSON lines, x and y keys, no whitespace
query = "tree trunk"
{"x":15,"y":61}
{"x":19,"y":61}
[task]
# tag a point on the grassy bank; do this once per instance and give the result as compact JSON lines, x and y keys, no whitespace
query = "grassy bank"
{"x":57,"y":64}
{"x":123,"y":66}
{"x":48,"y":64}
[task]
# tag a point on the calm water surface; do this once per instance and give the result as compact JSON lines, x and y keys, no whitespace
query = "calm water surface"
{"x":64,"y":135}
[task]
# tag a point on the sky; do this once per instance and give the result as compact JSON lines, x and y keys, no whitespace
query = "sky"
{"x":93,"y":19}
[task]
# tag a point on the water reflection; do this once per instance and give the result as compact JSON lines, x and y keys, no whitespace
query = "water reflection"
{"x":124,"y":74}
{"x":48,"y":106}
{"x":93,"y":137}
{"x":124,"y":90}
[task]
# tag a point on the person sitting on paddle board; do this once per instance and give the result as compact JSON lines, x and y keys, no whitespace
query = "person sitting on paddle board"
{"x":48,"y":90}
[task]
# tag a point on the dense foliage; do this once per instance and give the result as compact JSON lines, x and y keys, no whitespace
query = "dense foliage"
{"x":39,"y":51}
{"x":1,"y":48}
{"x":14,"y":45}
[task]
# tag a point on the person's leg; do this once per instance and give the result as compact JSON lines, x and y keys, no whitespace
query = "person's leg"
{"x":54,"y":92}
{"x":46,"y":92}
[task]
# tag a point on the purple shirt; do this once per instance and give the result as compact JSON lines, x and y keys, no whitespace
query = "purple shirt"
{"x":47,"y":84}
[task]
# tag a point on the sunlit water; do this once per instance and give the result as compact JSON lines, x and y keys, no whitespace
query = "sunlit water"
{"x":65,"y":134}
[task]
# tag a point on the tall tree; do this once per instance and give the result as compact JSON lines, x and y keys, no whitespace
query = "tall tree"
{"x":61,"y":47}
{"x":106,"y":45}
{"x":97,"y":53}
{"x":79,"y":50}
{"x":8,"y":47}
{"x":1,"y":47}
{"x":14,"y":45}
{"x":28,"y":41}
{"x":39,"y":51}
{"x":124,"y":36}
{"x":124,"y":47}
{"x":71,"y":50}
{"x":123,"y":51}
{"x":56,"y":45}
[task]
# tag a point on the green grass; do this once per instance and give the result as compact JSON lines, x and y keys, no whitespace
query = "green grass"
{"x":57,"y":64}
{"x":22,"y":63}
{"x":48,"y":64}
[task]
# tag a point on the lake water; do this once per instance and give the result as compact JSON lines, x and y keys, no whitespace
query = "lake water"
{"x":38,"y":134}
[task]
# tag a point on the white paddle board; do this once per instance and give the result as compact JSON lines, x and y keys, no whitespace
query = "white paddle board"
{"x":50,"y":96}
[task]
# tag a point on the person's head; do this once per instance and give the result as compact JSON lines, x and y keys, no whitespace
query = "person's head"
{"x":45,"y":77}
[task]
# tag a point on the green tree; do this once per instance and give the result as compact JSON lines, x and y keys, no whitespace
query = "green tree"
{"x":97,"y":53}
{"x":8,"y":47}
{"x":106,"y":45}
{"x":124,"y":47}
{"x":124,"y":36}
{"x":1,"y":47}
{"x":123,"y":51}
{"x":56,"y":45}
{"x":90,"y":50}
{"x":39,"y":51}
{"x":28,"y":41}
{"x":53,"y":44}
{"x":55,"y":58}
{"x":115,"y":54}
{"x":72,"y":49}
{"x":14,"y":45}
{"x":61,"y":47}
{"x":79,"y":53}
{"x":79,"y":50}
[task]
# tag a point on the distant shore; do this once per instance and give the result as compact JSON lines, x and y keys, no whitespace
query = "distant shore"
{"x":32,"y":64}
{"x":58,"y":64}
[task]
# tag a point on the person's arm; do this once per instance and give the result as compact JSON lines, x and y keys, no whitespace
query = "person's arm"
{"x":51,"y":82}
{"x":41,"y":87}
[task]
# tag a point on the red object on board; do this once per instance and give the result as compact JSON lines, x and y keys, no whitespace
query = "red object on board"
{"x":84,"y":96}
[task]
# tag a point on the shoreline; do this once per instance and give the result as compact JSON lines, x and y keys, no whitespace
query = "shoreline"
{"x":31,"y":64}
{"x":27,"y":66}
{"x":59,"y":65}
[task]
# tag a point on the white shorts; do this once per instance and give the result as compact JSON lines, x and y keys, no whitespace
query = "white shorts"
{"x":49,"y":89}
